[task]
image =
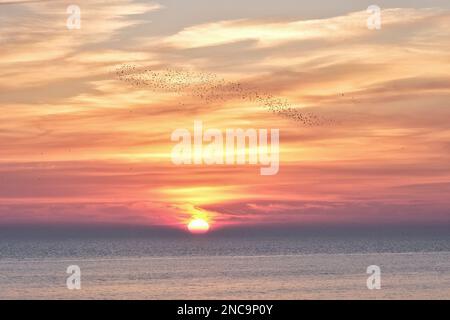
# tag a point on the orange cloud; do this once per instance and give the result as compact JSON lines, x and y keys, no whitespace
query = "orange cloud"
{"x":77,"y":144}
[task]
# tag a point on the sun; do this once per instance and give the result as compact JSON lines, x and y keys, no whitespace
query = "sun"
{"x":198,"y":226}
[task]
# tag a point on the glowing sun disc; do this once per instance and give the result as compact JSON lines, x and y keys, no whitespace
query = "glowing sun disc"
{"x":198,"y":226}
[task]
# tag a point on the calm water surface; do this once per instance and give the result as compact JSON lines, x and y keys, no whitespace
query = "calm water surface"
{"x":257,"y":267}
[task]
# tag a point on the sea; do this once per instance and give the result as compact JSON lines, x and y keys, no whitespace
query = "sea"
{"x":237,"y":266}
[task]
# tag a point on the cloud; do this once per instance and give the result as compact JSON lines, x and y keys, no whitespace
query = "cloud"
{"x":268,"y":33}
{"x":77,"y":144}
{"x":39,"y":42}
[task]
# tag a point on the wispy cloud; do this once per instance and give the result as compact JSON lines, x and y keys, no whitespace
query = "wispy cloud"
{"x":77,"y":144}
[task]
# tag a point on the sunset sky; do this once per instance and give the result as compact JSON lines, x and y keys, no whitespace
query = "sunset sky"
{"x":80,"y":146}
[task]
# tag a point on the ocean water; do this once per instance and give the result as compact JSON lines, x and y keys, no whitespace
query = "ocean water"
{"x":227,"y":267}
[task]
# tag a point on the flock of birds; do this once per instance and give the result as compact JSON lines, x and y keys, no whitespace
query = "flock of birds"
{"x":209,"y":88}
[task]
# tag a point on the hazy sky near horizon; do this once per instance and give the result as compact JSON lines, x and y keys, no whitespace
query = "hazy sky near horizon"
{"x":79,"y":146}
